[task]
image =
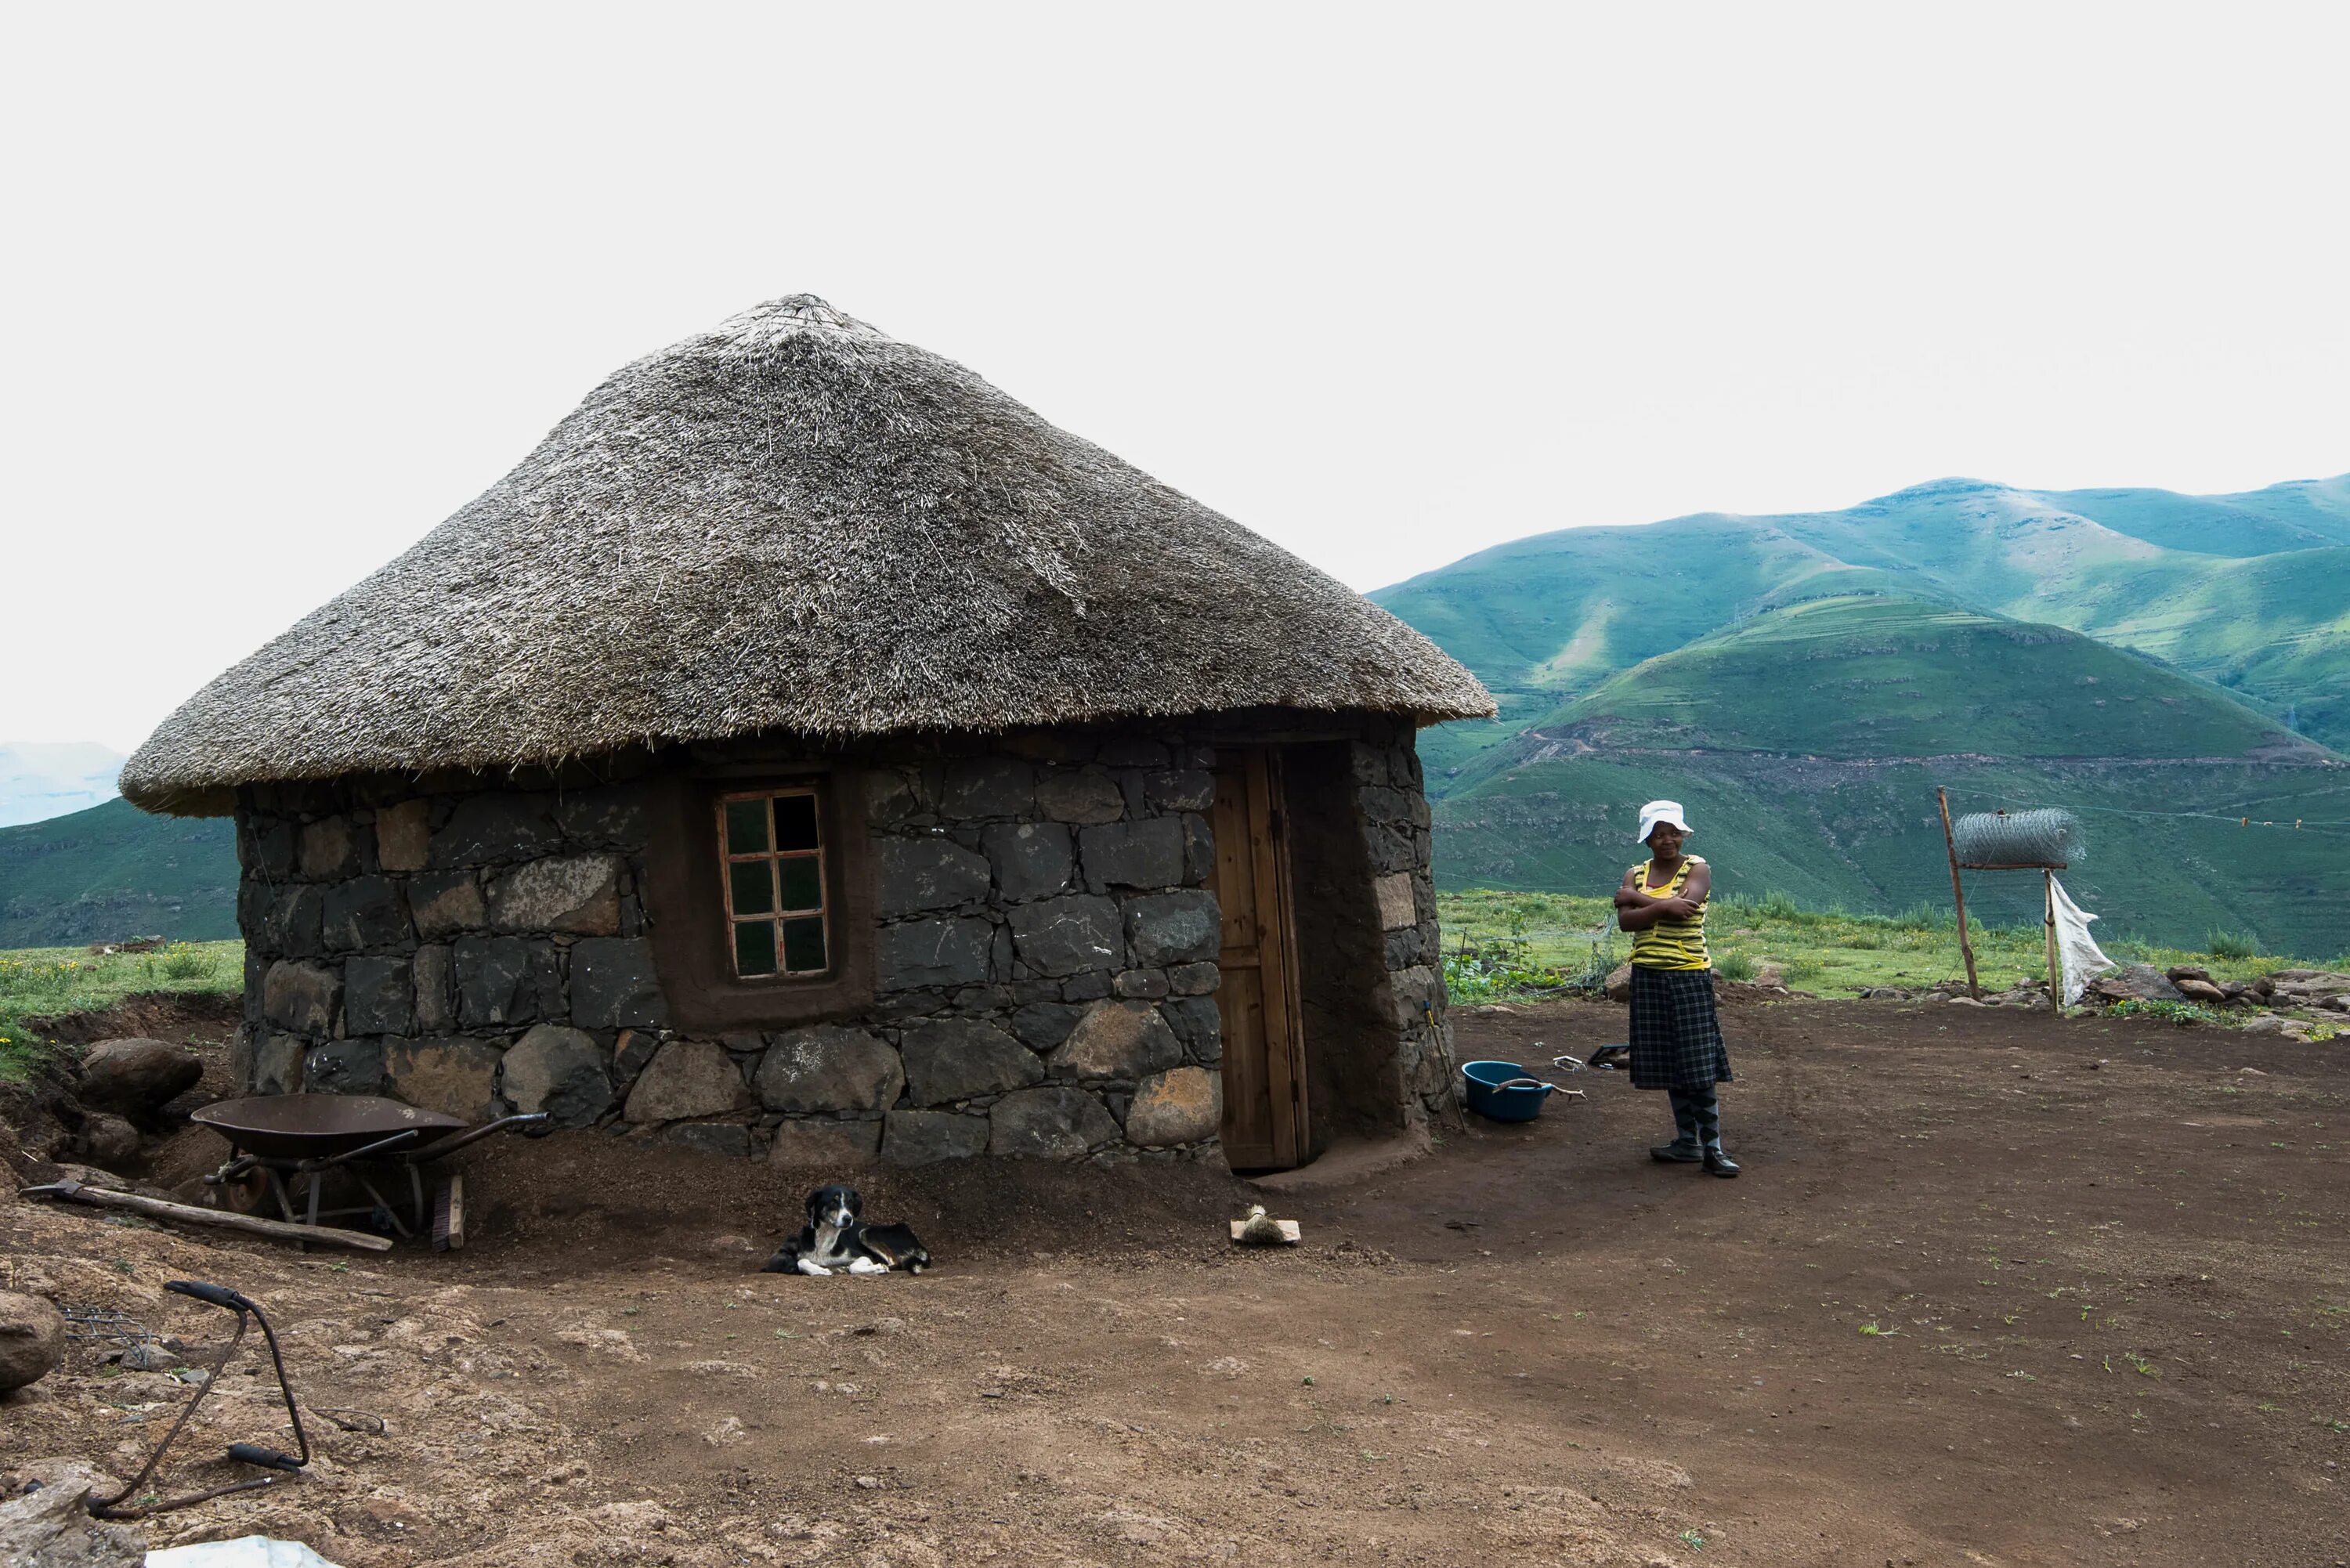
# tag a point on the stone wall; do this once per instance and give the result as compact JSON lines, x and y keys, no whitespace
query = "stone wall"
{"x":1045,"y":955}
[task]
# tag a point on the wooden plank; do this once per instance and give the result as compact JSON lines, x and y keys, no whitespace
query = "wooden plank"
{"x":227,"y":1219}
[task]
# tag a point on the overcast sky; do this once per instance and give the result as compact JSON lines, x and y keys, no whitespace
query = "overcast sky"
{"x":283,"y":288}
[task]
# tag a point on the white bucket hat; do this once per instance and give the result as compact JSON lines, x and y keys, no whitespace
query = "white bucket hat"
{"x":1657,"y":811}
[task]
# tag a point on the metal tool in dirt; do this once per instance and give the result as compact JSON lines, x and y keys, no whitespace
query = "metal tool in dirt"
{"x":287,"y":1146}
{"x":288,"y":1465}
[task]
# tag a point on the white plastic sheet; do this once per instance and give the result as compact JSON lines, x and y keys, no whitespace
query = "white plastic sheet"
{"x":2076,"y":951}
{"x":245,"y":1552}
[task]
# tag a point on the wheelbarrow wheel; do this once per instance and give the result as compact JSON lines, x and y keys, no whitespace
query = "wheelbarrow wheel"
{"x":246,"y":1194}
{"x":449,"y":1215}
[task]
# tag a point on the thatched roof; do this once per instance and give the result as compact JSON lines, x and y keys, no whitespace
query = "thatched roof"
{"x":791,"y":522}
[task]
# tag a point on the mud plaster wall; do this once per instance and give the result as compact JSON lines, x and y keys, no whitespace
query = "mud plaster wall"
{"x":1043,"y":950}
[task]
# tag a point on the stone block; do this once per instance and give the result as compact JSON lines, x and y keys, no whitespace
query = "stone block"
{"x":403,"y":835}
{"x":821,"y":1144}
{"x":828,"y":1068}
{"x":1165,"y":929}
{"x":955,"y":1058}
{"x":1146,"y":853}
{"x":436,"y":991}
{"x":1416,"y":991}
{"x":990,"y":786}
{"x":283,"y":920}
{"x":495,"y":825}
{"x":1199,"y":849}
{"x":446,"y":904}
{"x":561,"y":1071}
{"x":1194,"y":979}
{"x":1392,"y":849}
{"x":1405,"y":949}
{"x":1088,"y":987}
{"x":278,"y":1063}
{"x":1058,"y":1122}
{"x":345,"y":1067}
{"x":1043,"y":1025}
{"x":914,"y":954}
{"x":685,"y":1080}
{"x":494,"y":982}
{"x":730,"y":1140}
{"x":1125,"y":1040}
{"x":1031,"y":860}
{"x":1198,"y":1024}
{"x":302,"y":997}
{"x":612,"y":815}
{"x":326,"y":849}
{"x":1397,"y":907}
{"x":453,"y":1076}
{"x":1182,"y":789}
{"x":926,"y":1137}
{"x":1088,"y":795}
{"x":378,"y":996}
{"x":1182,"y":1104}
{"x":914,"y":876}
{"x":1130,"y":752}
{"x":269,"y":847}
{"x":363,"y":912}
{"x":1151,"y":983}
{"x":630,"y":1051}
{"x":575,"y":893}
{"x":613,"y":985}
{"x":891,"y":796}
{"x":1062,"y":937}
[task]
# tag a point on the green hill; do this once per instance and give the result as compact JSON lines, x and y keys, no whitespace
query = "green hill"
{"x":1807,"y":743}
{"x":2251,"y":592}
{"x":114,"y":871}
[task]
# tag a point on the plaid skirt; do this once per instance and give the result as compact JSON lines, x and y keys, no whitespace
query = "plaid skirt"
{"x":1676,"y":1039}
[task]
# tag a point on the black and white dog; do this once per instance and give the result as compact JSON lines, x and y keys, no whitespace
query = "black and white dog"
{"x":835,"y":1239}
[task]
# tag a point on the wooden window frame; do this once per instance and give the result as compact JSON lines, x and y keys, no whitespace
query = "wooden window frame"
{"x":688,"y":905}
{"x":773,"y":857}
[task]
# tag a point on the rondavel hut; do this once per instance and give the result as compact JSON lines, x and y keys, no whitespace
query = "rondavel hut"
{"x":811,"y":754}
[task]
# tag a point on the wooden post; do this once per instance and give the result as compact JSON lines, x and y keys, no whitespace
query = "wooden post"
{"x":2055,"y":980}
{"x":1959,"y":895}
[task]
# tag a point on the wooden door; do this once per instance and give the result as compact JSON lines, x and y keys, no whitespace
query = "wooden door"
{"x":1264,"y":1044}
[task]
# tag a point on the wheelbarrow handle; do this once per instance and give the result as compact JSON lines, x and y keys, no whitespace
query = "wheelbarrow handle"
{"x":530,"y":1121}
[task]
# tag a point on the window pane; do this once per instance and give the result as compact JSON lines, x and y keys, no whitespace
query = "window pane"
{"x":804,"y":945}
{"x":755,"y":891}
{"x":746,"y":826}
{"x":755,"y":946}
{"x":795,"y":822}
{"x":802,"y":883}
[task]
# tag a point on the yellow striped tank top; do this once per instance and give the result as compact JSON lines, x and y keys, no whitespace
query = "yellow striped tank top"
{"x":1669,"y":944}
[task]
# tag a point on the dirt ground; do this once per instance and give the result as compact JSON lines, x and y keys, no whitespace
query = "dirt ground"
{"x":1994,"y":1290}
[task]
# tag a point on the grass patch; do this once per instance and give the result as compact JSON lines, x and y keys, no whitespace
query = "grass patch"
{"x":43,"y":983}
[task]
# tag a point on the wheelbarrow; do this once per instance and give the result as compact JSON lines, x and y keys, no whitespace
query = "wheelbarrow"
{"x":285,"y":1146}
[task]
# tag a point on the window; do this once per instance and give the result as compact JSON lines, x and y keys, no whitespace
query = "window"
{"x":771,"y":844}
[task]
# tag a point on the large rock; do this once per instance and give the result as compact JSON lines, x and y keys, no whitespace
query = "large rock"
{"x":345,"y":1067}
{"x":137,"y":1075}
{"x":403,"y":835}
{"x":990,"y":786}
{"x":559,"y":1071}
{"x":575,"y":893}
{"x":956,"y":1058}
{"x":613,"y":985}
{"x":1184,"y":789}
{"x":828,"y":1068}
{"x":45,"y":1525}
{"x":364,"y":912}
{"x":2195,"y":990}
{"x":278,"y":1063}
{"x":1068,"y":936}
{"x":328,"y":849}
{"x":1397,"y":907}
{"x":685,"y":1079}
{"x":1146,"y":853}
{"x":610,"y":814}
{"x":497,"y":983}
{"x":282,"y":920}
{"x":1043,"y":1025}
{"x":107,"y":1140}
{"x":2138,"y":981}
{"x":302,"y":997}
{"x":1182,"y":1104}
{"x":457,"y":1076}
{"x":920,"y":955}
{"x":1125,"y":1040}
{"x":446,"y":904}
{"x":1619,"y":984}
{"x":1054,"y":1123}
{"x":1091,"y":797}
{"x":1031,"y":860}
{"x":914,"y":876}
{"x":822,"y":1144}
{"x":378,"y":996}
{"x":1174,"y":928}
{"x":436,"y":990}
{"x":925,"y":1138}
{"x":496,"y":825}
{"x":730,"y":1139}
{"x":1198,"y":1024}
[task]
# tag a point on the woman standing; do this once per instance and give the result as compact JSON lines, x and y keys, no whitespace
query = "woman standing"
{"x":1676,"y":1039}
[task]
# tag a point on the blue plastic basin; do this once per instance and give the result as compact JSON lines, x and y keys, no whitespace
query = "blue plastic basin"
{"x":1483,"y":1094}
